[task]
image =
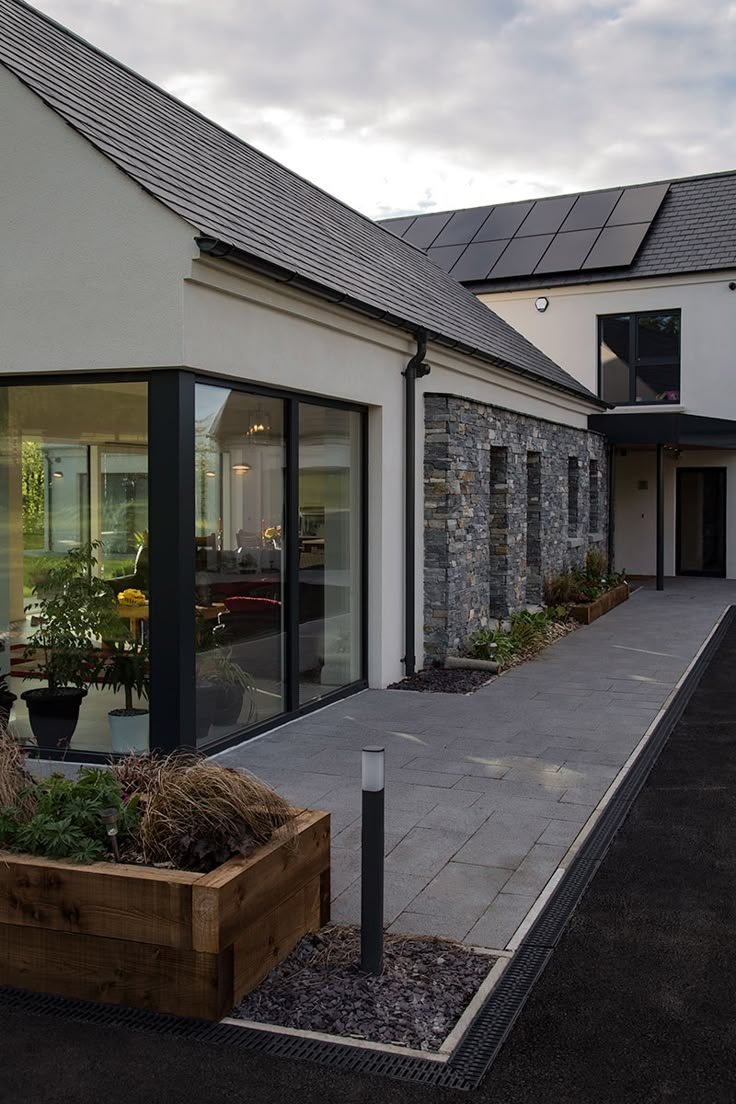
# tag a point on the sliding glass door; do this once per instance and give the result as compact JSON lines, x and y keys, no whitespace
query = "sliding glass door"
{"x":278,"y":535}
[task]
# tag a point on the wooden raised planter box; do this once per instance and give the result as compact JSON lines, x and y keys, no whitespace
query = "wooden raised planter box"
{"x":591,"y":611}
{"x":163,"y":940}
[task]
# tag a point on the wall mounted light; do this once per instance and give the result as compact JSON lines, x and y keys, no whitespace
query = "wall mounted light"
{"x":541,"y":303}
{"x":57,"y":475}
{"x":210,"y":475}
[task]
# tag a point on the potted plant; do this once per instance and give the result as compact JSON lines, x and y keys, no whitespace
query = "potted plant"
{"x":125,"y":667}
{"x":230,"y":686}
{"x":74,"y":608}
{"x":6,"y":700}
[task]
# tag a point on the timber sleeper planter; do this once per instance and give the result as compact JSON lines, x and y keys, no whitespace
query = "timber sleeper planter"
{"x":164,"y":940}
{"x":588,"y":612}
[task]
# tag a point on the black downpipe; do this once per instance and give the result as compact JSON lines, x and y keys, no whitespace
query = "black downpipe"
{"x":415,"y":369}
{"x":660,"y":517}
{"x":611,"y":506}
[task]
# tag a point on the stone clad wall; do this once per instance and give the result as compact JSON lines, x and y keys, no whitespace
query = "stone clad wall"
{"x":478,"y":463}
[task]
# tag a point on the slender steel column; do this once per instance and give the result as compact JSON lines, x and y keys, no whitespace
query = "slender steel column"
{"x":660,"y":517}
{"x":172,"y":558}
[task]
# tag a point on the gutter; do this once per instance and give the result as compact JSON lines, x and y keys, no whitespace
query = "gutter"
{"x":215,"y":247}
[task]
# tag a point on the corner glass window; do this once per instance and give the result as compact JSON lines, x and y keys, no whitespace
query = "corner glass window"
{"x":329,"y":549}
{"x":74,"y":568}
{"x":240,"y":560}
{"x":640,"y":357}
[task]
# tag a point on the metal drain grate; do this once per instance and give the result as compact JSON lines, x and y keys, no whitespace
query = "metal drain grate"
{"x":492,"y":1024}
{"x":490,"y":1028}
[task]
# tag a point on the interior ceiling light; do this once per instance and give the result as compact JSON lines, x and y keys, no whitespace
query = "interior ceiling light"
{"x":241,"y":469}
{"x":259,"y":423}
{"x":58,"y":475}
{"x":210,"y":475}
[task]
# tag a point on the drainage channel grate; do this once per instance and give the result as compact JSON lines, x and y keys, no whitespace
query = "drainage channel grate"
{"x":492,"y":1024}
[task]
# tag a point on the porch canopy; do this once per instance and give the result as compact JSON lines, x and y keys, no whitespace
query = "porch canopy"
{"x":666,"y":428}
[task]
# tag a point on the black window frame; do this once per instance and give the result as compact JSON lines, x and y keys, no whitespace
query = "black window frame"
{"x":635,"y":362}
{"x":171,"y":409}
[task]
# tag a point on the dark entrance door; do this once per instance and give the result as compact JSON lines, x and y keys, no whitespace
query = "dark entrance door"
{"x":701,"y":521}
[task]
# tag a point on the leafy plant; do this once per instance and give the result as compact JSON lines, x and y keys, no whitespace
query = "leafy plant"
{"x":74,"y":607}
{"x":528,"y":632}
{"x":125,"y":668}
{"x":64,"y":821}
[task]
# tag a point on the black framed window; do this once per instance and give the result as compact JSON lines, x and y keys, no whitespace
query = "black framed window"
{"x":234,"y":518}
{"x":639,"y":357}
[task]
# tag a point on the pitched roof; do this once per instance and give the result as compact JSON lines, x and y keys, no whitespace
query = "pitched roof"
{"x":231,"y":192}
{"x":692,"y":229}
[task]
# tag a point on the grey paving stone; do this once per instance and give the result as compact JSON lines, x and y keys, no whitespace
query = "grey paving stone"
{"x":562,"y":832}
{"x":500,"y":920}
{"x":417,"y":923}
{"x":461,"y":891}
{"x":456,"y":820}
{"x":504,"y":840}
{"x":350,"y":838}
{"x":400,"y":889}
{"x":344,"y":869}
{"x":425,"y":851}
{"x":546,"y":807}
{"x":536,"y":869}
{"x":460,"y":765}
{"x":421,"y":777}
{"x":501,"y":785}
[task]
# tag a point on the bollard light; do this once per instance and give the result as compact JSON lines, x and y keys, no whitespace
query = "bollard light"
{"x":109,"y":818}
{"x":373,"y":773}
{"x":373,"y":768}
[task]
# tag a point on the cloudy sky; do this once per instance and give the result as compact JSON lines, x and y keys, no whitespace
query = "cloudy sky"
{"x":398,"y":106}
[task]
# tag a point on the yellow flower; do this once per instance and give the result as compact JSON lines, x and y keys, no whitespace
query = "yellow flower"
{"x":132,"y":597}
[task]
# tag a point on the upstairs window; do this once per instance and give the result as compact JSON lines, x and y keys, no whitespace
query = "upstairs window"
{"x":640,"y":357}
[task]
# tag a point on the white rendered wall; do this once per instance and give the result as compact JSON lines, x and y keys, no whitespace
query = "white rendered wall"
{"x":635,"y":516}
{"x":568,"y":332}
{"x":91,"y":267}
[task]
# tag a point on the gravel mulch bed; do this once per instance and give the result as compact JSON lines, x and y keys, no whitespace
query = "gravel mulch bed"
{"x":426,"y":985}
{"x":439,"y":681}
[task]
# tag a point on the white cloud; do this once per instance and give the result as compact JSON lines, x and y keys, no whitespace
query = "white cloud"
{"x":400,"y":105}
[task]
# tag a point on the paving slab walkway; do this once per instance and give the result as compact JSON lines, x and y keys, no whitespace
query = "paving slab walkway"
{"x":486,"y":794}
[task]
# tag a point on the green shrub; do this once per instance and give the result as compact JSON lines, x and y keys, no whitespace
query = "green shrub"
{"x":61,"y":817}
{"x":529,"y":632}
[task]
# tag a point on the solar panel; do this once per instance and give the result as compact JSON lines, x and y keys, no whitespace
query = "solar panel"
{"x":546,"y":216}
{"x":638,"y":204}
{"x":567,"y":251}
{"x":397,"y":226}
{"x":591,"y":211}
{"x":521,"y":256}
{"x":503,"y":222}
{"x":462,"y":226}
{"x":445,"y":255}
{"x":425,"y":229}
{"x":616,"y":246}
{"x":478,"y":260}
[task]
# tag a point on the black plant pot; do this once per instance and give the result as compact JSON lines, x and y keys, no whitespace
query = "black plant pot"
{"x":228,"y":705}
{"x":53,"y":715}
{"x":207,"y":702}
{"x":6,"y":704}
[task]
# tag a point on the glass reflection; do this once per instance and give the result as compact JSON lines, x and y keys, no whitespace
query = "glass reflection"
{"x":330,"y":454}
{"x":239,"y":487}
